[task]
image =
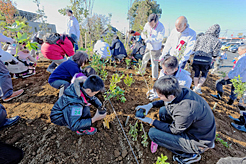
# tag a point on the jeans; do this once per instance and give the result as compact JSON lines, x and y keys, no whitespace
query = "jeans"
{"x":54,"y":63}
{"x":10,"y":154}
{"x":154,"y":56}
{"x":3,"y":115}
{"x":179,"y":144}
{"x":58,"y":83}
{"x":219,"y":87}
{"x":6,"y":88}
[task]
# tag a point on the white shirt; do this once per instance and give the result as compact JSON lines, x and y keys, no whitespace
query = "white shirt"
{"x":154,"y":36}
{"x":73,"y":27}
{"x":188,"y":35}
{"x":102,"y":48}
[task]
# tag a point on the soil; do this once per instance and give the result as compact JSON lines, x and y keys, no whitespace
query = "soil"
{"x":45,"y":142}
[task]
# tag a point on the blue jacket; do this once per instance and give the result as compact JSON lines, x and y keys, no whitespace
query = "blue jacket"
{"x":65,"y":71}
{"x":117,"y":48}
{"x":68,"y":109}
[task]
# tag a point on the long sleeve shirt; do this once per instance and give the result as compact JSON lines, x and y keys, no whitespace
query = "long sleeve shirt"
{"x":188,"y":36}
{"x":73,"y":27}
{"x":153,"y":36}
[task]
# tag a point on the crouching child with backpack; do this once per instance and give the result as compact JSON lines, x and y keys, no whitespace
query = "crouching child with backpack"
{"x":72,"y":108}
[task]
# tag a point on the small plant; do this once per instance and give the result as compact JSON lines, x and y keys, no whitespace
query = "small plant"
{"x":162,"y":160}
{"x":128,"y":62}
{"x":144,"y":136}
{"x":222,"y":141}
{"x":240,"y":87}
{"x":134,"y":131}
{"x":128,"y":81}
{"x":138,"y":69}
{"x":103,"y":73}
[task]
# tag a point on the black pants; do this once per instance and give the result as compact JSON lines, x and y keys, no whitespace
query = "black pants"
{"x":10,"y":154}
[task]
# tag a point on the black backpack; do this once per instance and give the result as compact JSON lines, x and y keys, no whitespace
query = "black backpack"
{"x":52,"y":38}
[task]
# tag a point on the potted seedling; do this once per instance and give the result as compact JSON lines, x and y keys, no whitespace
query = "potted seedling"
{"x":134,"y":131}
{"x":144,"y":136}
{"x":128,"y":81}
{"x":240,"y":87}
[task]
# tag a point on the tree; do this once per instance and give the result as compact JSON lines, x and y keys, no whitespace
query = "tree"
{"x":41,"y":16}
{"x":139,"y":12}
{"x":7,"y":10}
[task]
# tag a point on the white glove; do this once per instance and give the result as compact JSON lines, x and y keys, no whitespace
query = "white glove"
{"x":146,"y":107}
{"x":146,"y":119}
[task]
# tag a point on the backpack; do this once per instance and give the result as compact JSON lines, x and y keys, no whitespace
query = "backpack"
{"x":52,"y":38}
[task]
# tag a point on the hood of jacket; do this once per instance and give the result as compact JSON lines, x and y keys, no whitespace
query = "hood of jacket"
{"x":214,"y":30}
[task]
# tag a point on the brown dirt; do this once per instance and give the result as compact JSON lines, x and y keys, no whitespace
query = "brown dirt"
{"x":44,"y":142}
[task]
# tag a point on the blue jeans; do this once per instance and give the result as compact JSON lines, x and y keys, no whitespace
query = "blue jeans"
{"x":6,"y":88}
{"x":59,"y":83}
{"x":179,"y":144}
{"x":219,"y":87}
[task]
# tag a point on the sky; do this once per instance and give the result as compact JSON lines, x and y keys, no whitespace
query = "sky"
{"x":201,"y":14}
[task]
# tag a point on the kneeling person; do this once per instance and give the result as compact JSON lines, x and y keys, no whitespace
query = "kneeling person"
{"x":72,"y":108}
{"x":186,"y":126}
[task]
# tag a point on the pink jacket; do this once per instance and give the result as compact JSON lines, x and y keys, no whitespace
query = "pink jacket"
{"x":57,"y":52}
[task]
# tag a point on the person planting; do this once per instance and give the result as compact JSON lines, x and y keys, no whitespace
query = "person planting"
{"x":72,"y":108}
{"x":187,"y":124}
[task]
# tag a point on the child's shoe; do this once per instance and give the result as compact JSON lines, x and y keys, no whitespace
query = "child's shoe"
{"x":153,"y":147}
{"x":87,"y":132}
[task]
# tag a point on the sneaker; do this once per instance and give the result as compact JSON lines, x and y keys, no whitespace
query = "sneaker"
{"x":50,"y":70}
{"x":153,"y":147}
{"x":28,"y":75}
{"x":14,"y":95}
{"x":239,"y":127}
{"x":199,"y":91}
{"x":185,"y":160}
{"x":10,"y":121}
{"x":87,"y":132}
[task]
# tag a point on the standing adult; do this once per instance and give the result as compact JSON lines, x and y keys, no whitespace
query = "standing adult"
{"x":186,"y":124}
{"x":152,"y":34}
{"x":181,"y":36}
{"x":206,"y":47}
{"x":72,"y":28}
{"x":118,"y":49}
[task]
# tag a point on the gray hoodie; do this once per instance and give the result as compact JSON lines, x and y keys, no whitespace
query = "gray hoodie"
{"x":208,"y":45}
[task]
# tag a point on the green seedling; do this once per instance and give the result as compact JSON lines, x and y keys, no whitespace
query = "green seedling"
{"x":240,"y":87}
{"x":128,"y":81}
{"x":162,"y":160}
{"x":128,"y":61}
{"x":138,"y":69}
{"x":103,"y":73}
{"x":134,"y":131}
{"x":144,"y":136}
{"x":222,"y":141}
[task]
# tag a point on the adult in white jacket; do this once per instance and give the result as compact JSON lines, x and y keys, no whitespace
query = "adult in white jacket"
{"x":72,"y":28}
{"x":153,"y":34}
{"x":180,"y":36}
{"x":102,"y":48}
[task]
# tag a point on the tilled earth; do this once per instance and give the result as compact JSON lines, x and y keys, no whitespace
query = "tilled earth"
{"x":44,"y":142}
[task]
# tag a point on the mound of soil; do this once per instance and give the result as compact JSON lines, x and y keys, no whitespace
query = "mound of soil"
{"x":44,"y":142}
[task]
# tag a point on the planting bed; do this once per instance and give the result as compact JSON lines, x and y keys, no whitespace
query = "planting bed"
{"x":44,"y":142}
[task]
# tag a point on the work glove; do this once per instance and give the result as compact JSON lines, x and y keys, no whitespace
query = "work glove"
{"x":146,"y":107}
{"x":146,"y":119}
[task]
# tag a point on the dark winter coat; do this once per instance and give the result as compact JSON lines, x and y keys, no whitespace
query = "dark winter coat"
{"x":208,"y":44}
{"x":63,"y":112}
{"x":190,"y":114}
{"x":117,"y":48}
{"x":139,"y":48}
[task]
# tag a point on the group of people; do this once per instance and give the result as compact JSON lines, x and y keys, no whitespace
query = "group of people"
{"x":186,"y":124}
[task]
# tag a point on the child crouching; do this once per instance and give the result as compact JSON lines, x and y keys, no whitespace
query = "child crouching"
{"x":72,"y":108}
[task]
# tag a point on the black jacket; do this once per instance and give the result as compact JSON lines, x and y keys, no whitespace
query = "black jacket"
{"x":190,"y":114}
{"x":118,"y":48}
{"x":139,"y":48}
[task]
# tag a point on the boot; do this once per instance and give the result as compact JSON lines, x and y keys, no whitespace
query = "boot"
{"x":230,"y":102}
{"x":218,"y":96}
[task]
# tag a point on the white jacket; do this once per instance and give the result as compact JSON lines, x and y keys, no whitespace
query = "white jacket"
{"x":5,"y":56}
{"x":73,"y":27}
{"x":154,"y":36}
{"x":188,"y":35}
{"x":102,"y":48}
